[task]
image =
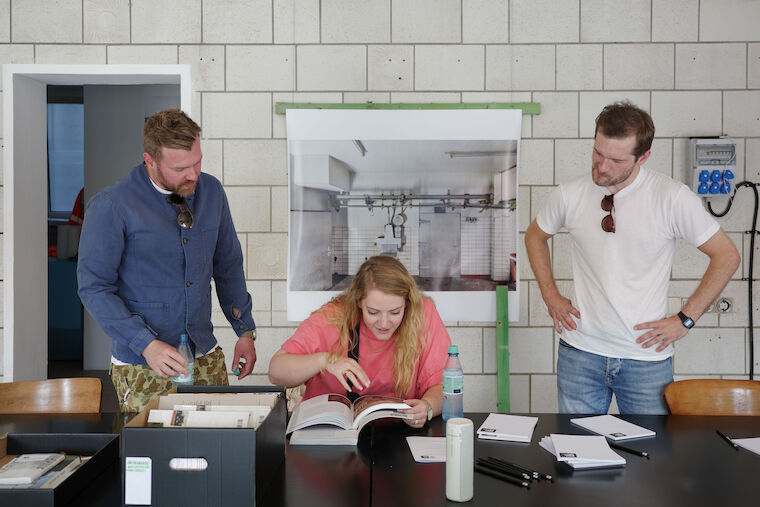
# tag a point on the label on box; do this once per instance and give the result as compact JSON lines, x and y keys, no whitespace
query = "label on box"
{"x":137,"y":478}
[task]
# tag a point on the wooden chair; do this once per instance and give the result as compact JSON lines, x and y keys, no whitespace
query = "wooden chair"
{"x":54,"y":396}
{"x":713,"y":397}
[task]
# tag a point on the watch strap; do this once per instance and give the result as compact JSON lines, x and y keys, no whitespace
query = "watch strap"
{"x":687,"y":321}
{"x":430,"y":409}
{"x":251,"y":333}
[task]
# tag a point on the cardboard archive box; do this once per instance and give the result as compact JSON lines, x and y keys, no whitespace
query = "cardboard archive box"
{"x":102,"y":447}
{"x":239,"y":462}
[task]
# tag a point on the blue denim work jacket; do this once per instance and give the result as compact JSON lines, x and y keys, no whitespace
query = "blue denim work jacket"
{"x":143,"y":277}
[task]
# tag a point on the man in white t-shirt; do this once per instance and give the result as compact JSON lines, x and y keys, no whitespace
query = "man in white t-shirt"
{"x":623,"y":222}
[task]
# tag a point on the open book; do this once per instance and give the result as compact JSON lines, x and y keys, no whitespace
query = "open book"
{"x":337,"y":410}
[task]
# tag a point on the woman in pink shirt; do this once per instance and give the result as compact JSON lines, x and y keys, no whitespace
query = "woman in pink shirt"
{"x":402,"y":343}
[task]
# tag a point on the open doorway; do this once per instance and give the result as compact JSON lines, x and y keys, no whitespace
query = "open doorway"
{"x":25,"y":284}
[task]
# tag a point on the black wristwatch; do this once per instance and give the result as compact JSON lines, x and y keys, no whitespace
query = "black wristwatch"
{"x":687,"y":322}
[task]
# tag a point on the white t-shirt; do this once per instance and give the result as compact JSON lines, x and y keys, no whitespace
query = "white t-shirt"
{"x":621,"y":279}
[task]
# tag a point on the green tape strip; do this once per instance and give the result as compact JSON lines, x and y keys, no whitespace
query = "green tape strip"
{"x":502,"y":348}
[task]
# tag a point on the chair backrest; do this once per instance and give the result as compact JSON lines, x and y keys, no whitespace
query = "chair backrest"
{"x":54,"y":396}
{"x":713,"y":397}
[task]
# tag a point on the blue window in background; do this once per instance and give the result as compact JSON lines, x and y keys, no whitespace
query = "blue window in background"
{"x":65,"y":137}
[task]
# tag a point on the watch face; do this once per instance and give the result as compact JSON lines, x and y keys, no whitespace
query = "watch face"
{"x":688,"y":322}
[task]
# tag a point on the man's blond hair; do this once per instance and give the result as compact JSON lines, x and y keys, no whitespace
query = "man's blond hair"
{"x":170,"y":128}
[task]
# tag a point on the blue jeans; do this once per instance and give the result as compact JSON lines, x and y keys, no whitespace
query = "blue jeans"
{"x":586,"y":382}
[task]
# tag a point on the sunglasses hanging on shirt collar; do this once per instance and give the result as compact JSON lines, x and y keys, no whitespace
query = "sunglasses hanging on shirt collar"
{"x":185,"y":216}
{"x":608,"y":205}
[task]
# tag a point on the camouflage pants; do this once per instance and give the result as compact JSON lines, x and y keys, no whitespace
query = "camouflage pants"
{"x":137,"y":384}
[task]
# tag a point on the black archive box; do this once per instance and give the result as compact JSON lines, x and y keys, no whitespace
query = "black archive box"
{"x":241,"y":462}
{"x":102,"y":447}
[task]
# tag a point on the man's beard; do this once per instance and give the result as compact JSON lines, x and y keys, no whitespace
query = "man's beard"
{"x":183,"y":189}
{"x":610,"y":181}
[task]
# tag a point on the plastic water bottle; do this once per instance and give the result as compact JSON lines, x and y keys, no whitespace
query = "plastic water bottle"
{"x":184,"y":349}
{"x":453,"y":381}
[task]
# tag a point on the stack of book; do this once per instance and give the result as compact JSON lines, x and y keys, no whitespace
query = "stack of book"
{"x":513,"y":428}
{"x":39,"y":470}
{"x":582,"y":451}
{"x":613,"y":428}
{"x":211,"y":410}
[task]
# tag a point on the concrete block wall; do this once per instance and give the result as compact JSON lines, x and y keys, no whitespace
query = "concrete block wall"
{"x":694,"y":64}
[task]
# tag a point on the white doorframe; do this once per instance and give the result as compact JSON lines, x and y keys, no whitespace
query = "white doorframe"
{"x":25,"y":315}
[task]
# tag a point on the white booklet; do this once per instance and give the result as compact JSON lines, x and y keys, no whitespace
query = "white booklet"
{"x":612,"y":427}
{"x":337,"y":410}
{"x":26,"y":468}
{"x":427,"y":449}
{"x":751,"y":444}
{"x":514,"y":428}
{"x":582,"y":451}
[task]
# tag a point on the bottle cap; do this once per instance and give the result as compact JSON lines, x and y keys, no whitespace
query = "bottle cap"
{"x":453,"y":349}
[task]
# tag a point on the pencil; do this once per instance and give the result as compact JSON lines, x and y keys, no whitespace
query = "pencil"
{"x":724,"y":437}
{"x":619,"y":447}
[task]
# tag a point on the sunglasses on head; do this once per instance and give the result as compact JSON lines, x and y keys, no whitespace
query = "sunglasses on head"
{"x":608,"y":205}
{"x":185,"y":217}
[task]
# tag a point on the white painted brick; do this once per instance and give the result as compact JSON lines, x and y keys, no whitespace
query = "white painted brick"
{"x":661,"y":159}
{"x":489,"y":350}
{"x":530,"y":350}
{"x":424,"y":97}
{"x":250,"y":208}
{"x":729,"y":20}
{"x":638,"y":66}
{"x":538,"y":196}
{"x":260,"y":68}
{"x":543,"y":21}
{"x":492,"y":96}
{"x":280,"y":319}
{"x":688,"y":262}
{"x":45,"y":21}
{"x":685,"y":114}
{"x":740,"y":215}
{"x":559,"y":115}
{"x":470,"y":343}
{"x":238,"y":115}
{"x":260,"y":293}
{"x":2,"y":304}
{"x":149,"y":17}
{"x":267,"y":256}
{"x":519,"y":394}
{"x":592,"y":103}
{"x":255,"y":162}
{"x":756,"y":332}
{"x":69,"y":54}
{"x":5,"y":36}
{"x":539,"y":316}
{"x":390,"y":67}
{"x":572,"y":158}
{"x":480,"y":393}
{"x":296,"y":21}
{"x":332,"y":68}
{"x":278,"y":120}
{"x":280,"y":209}
{"x":753,"y":80}
{"x":347,"y":21}
{"x":237,"y":21}
{"x":711,"y":351}
{"x":675,"y":20}
{"x":536,"y":162}
{"x":543,"y":394}
{"x":741,"y":113}
{"x":615,"y":21}
{"x":526,"y":273}
{"x":449,"y":67}
{"x":279,"y":296}
{"x":195,"y":105}
{"x":367,"y":98}
{"x":127,"y":54}
{"x":268,"y":341}
{"x":516,"y":67}
{"x":206,"y":66}
{"x":16,"y":53}
{"x":212,"y":158}
{"x":752,"y":171}
{"x":426,"y":20}
{"x":106,"y":21}
{"x":524,"y":216}
{"x":2,"y":257}
{"x":485,"y":21}
{"x":700,"y":66}
{"x":579,"y":66}
{"x":562,"y":257}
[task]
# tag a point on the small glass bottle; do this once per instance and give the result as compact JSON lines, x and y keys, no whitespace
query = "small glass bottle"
{"x":184,"y":349}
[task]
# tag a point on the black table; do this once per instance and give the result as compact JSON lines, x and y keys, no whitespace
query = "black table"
{"x":690,"y":466}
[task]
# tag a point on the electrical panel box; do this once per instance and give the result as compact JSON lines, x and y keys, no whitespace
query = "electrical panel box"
{"x":713,"y":166}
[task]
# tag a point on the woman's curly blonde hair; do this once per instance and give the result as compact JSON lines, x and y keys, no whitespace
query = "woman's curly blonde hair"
{"x":388,"y":275}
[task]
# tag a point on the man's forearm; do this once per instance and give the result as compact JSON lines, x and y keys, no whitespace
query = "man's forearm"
{"x":537,"y":246}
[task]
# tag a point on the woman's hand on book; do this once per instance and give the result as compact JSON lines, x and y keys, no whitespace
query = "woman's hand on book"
{"x":419,"y":413}
{"x":345,"y":369}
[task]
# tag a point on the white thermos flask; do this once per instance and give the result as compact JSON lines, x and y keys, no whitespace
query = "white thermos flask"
{"x":459,"y":459}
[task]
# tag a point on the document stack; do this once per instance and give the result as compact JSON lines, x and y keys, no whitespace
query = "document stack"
{"x":582,"y":451}
{"x":513,"y":428}
{"x":612,"y":427}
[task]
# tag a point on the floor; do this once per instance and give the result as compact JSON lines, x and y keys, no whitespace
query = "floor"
{"x":62,"y":369}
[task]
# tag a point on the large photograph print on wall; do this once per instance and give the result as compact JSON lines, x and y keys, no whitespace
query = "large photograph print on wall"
{"x":435,"y":188}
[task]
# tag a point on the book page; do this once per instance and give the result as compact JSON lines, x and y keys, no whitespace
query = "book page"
{"x":371,"y":403}
{"x":334,"y":409}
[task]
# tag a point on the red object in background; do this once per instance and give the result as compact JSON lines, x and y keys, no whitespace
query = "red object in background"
{"x":77,"y":214}
{"x":53,"y":251}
